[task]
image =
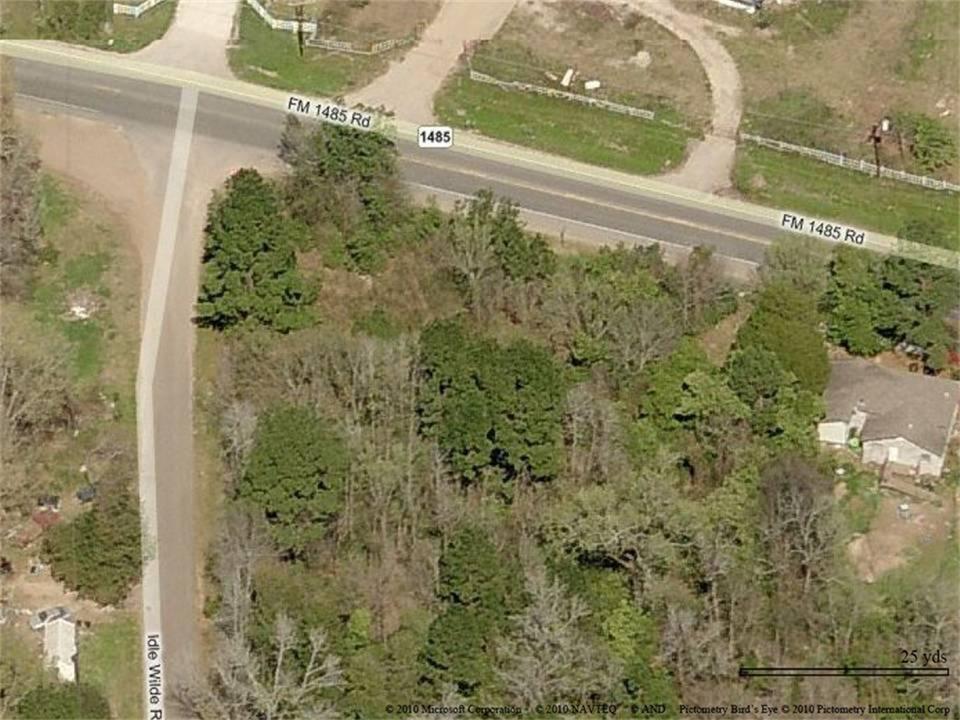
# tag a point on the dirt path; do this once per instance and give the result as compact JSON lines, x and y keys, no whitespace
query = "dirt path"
{"x":408,"y":86}
{"x":710,"y":162}
{"x":103,"y":158}
{"x":197,"y":39}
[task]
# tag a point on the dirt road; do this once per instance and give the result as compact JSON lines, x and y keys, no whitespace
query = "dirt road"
{"x":408,"y":86}
{"x":710,"y":163}
{"x":197,"y":39}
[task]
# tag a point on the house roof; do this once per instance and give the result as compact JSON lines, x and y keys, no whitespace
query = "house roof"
{"x":918,"y":408}
{"x":60,"y":646}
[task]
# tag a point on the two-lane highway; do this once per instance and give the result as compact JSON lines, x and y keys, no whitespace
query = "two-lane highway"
{"x":572,"y":203}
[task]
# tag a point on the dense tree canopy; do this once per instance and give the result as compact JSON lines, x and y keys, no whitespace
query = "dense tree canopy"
{"x":295,"y":475}
{"x":478,"y":588}
{"x":491,"y":408}
{"x":565,"y":481}
{"x":875,"y":303}
{"x":98,"y":552}
{"x":785,"y":322}
{"x":250,"y":271}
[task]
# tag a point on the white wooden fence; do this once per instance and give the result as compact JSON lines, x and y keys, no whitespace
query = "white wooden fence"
{"x":845,"y":162}
{"x":327,"y":43}
{"x":135,"y":10}
{"x":277,"y":24}
{"x":573,"y":97}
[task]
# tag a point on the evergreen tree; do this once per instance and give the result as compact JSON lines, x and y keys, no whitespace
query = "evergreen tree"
{"x":295,"y":475}
{"x":491,"y":408}
{"x":785,"y":322}
{"x":249,"y":264}
{"x":98,"y":552}
{"x":480,"y":589}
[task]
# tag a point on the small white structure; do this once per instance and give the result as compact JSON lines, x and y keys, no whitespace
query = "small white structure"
{"x":567,"y":78}
{"x":60,"y":647}
{"x":591,"y":85}
{"x":902,"y":419}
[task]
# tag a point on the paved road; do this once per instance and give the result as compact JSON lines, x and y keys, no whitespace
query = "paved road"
{"x":580,"y":207}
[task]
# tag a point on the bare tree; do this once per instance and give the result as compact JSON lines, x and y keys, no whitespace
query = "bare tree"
{"x":698,"y":285}
{"x":248,"y":685}
{"x":470,"y":254}
{"x":549,"y":658}
{"x":245,"y":686}
{"x":238,"y":427}
{"x":644,"y":333}
{"x":593,"y":435}
{"x":798,"y":522}
{"x":694,"y":644}
{"x":20,"y":229}
{"x":34,"y":392}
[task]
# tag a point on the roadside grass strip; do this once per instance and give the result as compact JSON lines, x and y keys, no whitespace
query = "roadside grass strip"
{"x":562,"y":127}
{"x":790,"y":182}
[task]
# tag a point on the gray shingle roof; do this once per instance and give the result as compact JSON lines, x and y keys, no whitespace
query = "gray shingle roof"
{"x":917,"y":407}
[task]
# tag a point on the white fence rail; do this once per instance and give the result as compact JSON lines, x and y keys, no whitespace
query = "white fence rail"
{"x":277,"y":24}
{"x":327,"y":43}
{"x":573,"y":97}
{"x":845,"y":162}
{"x":135,"y":10}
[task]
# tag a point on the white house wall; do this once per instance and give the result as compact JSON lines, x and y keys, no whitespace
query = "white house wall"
{"x":905,"y":453}
{"x":833,"y":433}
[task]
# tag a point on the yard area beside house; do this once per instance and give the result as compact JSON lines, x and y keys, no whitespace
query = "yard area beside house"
{"x":70,"y":346}
{"x":95,"y":25}
{"x":274,"y":57}
{"x":635,"y":61}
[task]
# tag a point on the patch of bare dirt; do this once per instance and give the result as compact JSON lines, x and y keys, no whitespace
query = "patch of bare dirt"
{"x":409,"y":85}
{"x":892,"y":539}
{"x":103,"y":158}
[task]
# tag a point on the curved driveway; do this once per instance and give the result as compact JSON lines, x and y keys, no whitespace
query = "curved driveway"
{"x":710,"y":163}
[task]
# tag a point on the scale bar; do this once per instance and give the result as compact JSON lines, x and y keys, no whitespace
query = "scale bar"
{"x":844,"y":672}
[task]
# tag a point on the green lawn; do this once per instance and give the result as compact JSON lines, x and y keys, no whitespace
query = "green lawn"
{"x":18,"y":21}
{"x":130,"y":34}
{"x":562,"y":127}
{"x":796,"y":183}
{"x":272,"y":58}
{"x":109,"y":659}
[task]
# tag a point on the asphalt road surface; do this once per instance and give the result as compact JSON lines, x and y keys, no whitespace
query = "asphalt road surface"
{"x":571,"y":203}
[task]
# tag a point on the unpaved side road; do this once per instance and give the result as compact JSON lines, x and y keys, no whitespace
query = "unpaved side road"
{"x":197,"y":39}
{"x":710,"y":163}
{"x":409,"y":85}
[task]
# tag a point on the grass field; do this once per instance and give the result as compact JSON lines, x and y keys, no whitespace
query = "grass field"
{"x":272,"y":58}
{"x":796,"y":183}
{"x":130,"y":34}
{"x":106,"y":661}
{"x":87,"y":259}
{"x":84,"y":266}
{"x":561,"y":127}
{"x":18,"y":20}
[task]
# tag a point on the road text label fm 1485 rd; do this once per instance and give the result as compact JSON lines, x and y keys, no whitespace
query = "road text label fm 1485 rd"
{"x":329,"y":112}
{"x":822,"y":229}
